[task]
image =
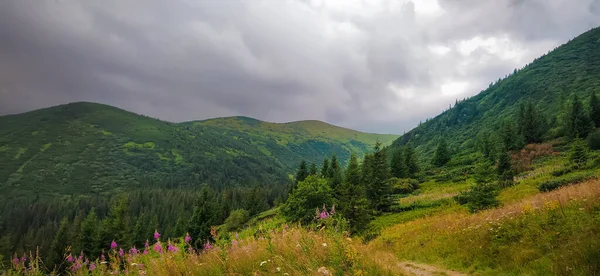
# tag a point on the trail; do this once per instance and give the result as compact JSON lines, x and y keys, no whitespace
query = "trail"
{"x":411,"y":268}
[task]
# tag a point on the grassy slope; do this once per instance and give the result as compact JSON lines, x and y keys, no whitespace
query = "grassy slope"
{"x":548,"y":81}
{"x":309,"y":140}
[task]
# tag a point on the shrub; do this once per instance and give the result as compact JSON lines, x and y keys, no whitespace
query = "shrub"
{"x":479,"y":197}
{"x":309,"y":195}
{"x":236,"y":219}
{"x":404,"y":185}
{"x":559,"y":182}
{"x":593,"y":140}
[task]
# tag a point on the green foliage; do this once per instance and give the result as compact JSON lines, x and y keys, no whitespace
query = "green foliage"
{"x":441,"y":156}
{"x":532,"y":125}
{"x":483,"y":194}
{"x":504,"y":169}
{"x":403,"y":185}
{"x":353,"y":204}
{"x":593,"y":140}
{"x":310,"y":194}
{"x":594,"y":109}
{"x":578,"y":122}
{"x":511,"y":139}
{"x":302,"y":172}
{"x":398,"y":166}
{"x":236,"y":220}
{"x":411,"y":160}
{"x":378,"y":187}
{"x":579,"y":153}
{"x":203,"y":218}
{"x":556,"y":183}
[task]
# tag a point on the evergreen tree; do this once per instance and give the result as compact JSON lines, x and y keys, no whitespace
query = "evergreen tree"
{"x":398,"y":167}
{"x":411,"y":160}
{"x":302,"y":172}
{"x":595,"y":109}
{"x":486,"y":145}
{"x":532,"y":125}
{"x":579,"y":153}
{"x":117,"y":225}
{"x":504,"y":169}
{"x":441,"y":155}
{"x":334,"y":174}
{"x":379,"y":191}
{"x":89,"y":235}
{"x":202,"y":219}
{"x":313,"y":169}
{"x":325,"y":168}
{"x":483,"y":194}
{"x":578,"y":122}
{"x":256,"y":201}
{"x":353,"y":204}
{"x":56,"y":258}
{"x":511,"y":139}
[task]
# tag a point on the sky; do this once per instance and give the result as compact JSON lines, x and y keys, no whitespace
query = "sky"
{"x":377,"y":66}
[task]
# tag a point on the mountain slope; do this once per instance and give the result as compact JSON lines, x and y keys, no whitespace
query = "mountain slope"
{"x":94,"y":148}
{"x":547,"y":82}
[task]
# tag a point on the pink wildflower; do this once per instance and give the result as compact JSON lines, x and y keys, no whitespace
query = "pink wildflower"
{"x":171,"y":248}
{"x":237,"y":236}
{"x":145,"y":252}
{"x":15,"y":261}
{"x":158,"y":247}
{"x":133,"y":251}
{"x":121,"y":252}
{"x":146,"y":245}
{"x":208,"y":246}
{"x":102,"y":256}
{"x":92,"y":266}
{"x":113,"y":245}
{"x":234,"y":243}
{"x":70,"y":258}
{"x":187,"y":238}
{"x":23,"y":258}
{"x":156,"y":235}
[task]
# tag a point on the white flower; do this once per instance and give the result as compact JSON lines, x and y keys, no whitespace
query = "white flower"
{"x":324,"y":245}
{"x":278,"y":269}
{"x":262,"y":263}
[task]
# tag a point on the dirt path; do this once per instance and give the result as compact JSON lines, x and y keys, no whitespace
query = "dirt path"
{"x":426,"y":270}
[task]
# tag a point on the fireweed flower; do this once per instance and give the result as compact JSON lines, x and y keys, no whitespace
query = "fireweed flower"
{"x":121,"y":253}
{"x":70,"y":258}
{"x":156,"y":235}
{"x":237,"y":236}
{"x":171,"y":248}
{"x":113,"y":245}
{"x":92,"y":266}
{"x":234,"y":242}
{"x":23,"y":258}
{"x":15,"y":261}
{"x":158,"y":247}
{"x":102,"y":256}
{"x":187,"y":238}
{"x":208,"y":246}
{"x":133,"y":251}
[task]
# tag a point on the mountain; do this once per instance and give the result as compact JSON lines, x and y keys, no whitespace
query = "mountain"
{"x":91,"y":148}
{"x":547,"y":82}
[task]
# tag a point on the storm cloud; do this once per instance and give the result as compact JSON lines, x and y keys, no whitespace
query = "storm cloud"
{"x":379,"y":66}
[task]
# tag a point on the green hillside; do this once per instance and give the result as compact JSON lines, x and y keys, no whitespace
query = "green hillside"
{"x":547,"y":82}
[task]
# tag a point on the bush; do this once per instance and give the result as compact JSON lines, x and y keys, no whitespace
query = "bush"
{"x":559,"y":182}
{"x":236,"y":219}
{"x":308,"y":196}
{"x":404,"y":185}
{"x":479,"y":197}
{"x":563,"y":171}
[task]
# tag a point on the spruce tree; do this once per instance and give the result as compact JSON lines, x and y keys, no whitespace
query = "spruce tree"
{"x":578,"y":123}
{"x":353,"y":204}
{"x":325,"y":168}
{"x":202,"y":219}
{"x":595,"y":109}
{"x":56,"y":258}
{"x":411,"y":160}
{"x":379,"y":191}
{"x":334,"y":174}
{"x":532,"y":125}
{"x":313,"y":169}
{"x":441,"y":155}
{"x":511,"y":138}
{"x":579,"y":153}
{"x":302,"y":172}
{"x":504,"y":169}
{"x":398,"y":167}
{"x":89,"y":235}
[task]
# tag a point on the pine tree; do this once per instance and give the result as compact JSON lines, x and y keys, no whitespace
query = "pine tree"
{"x":334,"y":174}
{"x":398,"y":167}
{"x":302,"y":172}
{"x":504,"y":169}
{"x":313,"y":169}
{"x":256,"y":201}
{"x":595,"y":109}
{"x":578,"y":123}
{"x":411,"y":160}
{"x":579,"y":153}
{"x":511,"y":139}
{"x":353,"y":204}
{"x":532,"y":125}
{"x":117,"y":225}
{"x":441,"y":155}
{"x":202,"y":219}
{"x":89,"y":238}
{"x":379,"y":191}
{"x":325,"y":168}
{"x":56,"y":258}
{"x":486,"y":145}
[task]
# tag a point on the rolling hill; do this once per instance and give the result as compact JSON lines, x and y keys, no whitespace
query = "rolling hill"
{"x":94,"y":149}
{"x":547,"y":82}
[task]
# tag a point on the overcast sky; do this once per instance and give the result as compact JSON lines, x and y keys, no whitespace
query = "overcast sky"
{"x":378,"y":66}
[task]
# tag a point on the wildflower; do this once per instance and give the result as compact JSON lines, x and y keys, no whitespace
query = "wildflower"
{"x":15,"y":260}
{"x":263,"y":263}
{"x":187,"y":238}
{"x":237,"y":236}
{"x":70,"y":258}
{"x":171,"y":248}
{"x":133,"y":251}
{"x":208,"y":246}
{"x":145,"y":252}
{"x":156,"y":235}
{"x":113,"y":245}
{"x":102,"y":256}
{"x":121,"y":253}
{"x":285,"y":226}
{"x":234,"y":243}
{"x":92,"y":266}
{"x":23,"y":258}
{"x":278,"y":269}
{"x":324,"y":244}
{"x":323,"y":271}
{"x":158,"y":247}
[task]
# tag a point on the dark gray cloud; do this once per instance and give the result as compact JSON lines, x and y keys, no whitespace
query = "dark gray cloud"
{"x":371,"y":65}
